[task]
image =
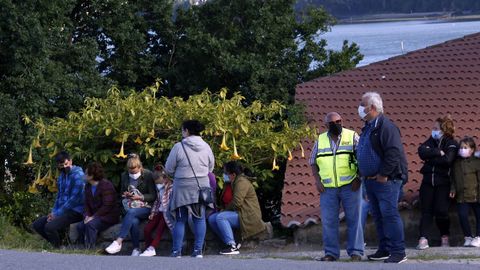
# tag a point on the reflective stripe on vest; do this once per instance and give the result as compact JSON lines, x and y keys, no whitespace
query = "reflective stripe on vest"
{"x":337,"y":169}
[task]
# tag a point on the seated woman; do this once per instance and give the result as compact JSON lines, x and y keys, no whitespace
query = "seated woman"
{"x":159,"y":218}
{"x":138,"y":206}
{"x":101,"y":209}
{"x":242,"y":212}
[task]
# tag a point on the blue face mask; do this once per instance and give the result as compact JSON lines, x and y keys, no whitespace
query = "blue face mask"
{"x":226,"y":179}
{"x":437,"y":134}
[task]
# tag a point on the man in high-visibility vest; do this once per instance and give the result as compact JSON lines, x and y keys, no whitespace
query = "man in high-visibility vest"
{"x":335,"y":169}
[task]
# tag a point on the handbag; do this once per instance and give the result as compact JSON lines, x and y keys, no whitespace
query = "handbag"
{"x":204,"y":193}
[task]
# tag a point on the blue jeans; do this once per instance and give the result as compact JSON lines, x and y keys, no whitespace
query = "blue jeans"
{"x":131,"y":222}
{"x":199,"y":229}
{"x":330,"y":201}
{"x":383,"y":198}
{"x":365,"y":209}
{"x":223,"y":223}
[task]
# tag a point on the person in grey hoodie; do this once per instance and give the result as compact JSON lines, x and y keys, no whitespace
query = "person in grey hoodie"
{"x":184,"y":199}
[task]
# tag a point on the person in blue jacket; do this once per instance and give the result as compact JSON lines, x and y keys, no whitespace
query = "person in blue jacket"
{"x":68,"y":206}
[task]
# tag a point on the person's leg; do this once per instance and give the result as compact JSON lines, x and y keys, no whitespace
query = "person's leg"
{"x":53,"y":227}
{"x":462,"y":210}
{"x":148,"y":230}
{"x":426,"y":206}
{"x":81,"y":233}
{"x":92,"y":228}
{"x":365,"y":209}
{"x":476,"y":211}
{"x":226,"y":222}
{"x":387,"y":195}
{"x":39,"y":226}
{"x":330,"y":206}
{"x":199,"y":230}
{"x":160,"y":228}
{"x":179,"y":229}
{"x":130,"y":218}
{"x":212,"y":221}
{"x":351,"y":201}
{"x":383,"y":245}
{"x":441,"y":206}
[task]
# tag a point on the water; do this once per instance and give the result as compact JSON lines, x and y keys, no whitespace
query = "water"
{"x":379,"y":41}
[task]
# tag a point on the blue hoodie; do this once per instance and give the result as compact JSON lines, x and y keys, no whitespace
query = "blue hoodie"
{"x":70,"y":192}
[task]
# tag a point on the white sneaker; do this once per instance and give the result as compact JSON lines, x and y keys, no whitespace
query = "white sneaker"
{"x":422,"y":243}
{"x":468,"y":241}
{"x":113,"y":248}
{"x":149,"y":252}
{"x":135,"y":252}
{"x":476,"y":242}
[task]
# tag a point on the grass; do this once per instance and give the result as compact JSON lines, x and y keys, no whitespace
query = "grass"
{"x":16,"y":238}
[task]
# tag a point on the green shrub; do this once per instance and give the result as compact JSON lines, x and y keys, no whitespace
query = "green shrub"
{"x":22,"y":208}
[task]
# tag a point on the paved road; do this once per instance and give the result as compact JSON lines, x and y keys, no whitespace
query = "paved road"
{"x":33,"y":260}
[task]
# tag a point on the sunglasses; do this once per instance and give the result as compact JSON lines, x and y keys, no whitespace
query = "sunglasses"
{"x":335,"y":122}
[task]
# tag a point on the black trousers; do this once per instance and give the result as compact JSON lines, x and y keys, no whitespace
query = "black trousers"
{"x":50,"y":230}
{"x":434,"y":203}
{"x":463,"y":211}
{"x":87,"y":233}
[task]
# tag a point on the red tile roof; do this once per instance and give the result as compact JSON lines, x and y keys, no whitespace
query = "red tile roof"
{"x":416,"y":88}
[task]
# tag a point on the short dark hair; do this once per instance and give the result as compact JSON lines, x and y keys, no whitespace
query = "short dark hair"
{"x":470,"y":142}
{"x":194,"y":127}
{"x":62,"y":156}
{"x":95,"y":170}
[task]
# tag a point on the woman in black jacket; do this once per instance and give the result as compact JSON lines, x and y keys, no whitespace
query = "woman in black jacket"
{"x":438,"y":153}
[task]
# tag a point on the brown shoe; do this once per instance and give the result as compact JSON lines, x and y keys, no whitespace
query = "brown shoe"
{"x":355,"y":258}
{"x":328,"y":258}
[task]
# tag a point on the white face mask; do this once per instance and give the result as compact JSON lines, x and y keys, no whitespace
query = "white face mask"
{"x":477,"y":154}
{"x":464,"y":152}
{"x":437,"y":134}
{"x":160,"y":186}
{"x":361,"y":112}
{"x":135,"y":175}
{"x":226,"y":179}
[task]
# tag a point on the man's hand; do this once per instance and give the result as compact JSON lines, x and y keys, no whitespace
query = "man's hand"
{"x":87,"y":219}
{"x":320,"y":186}
{"x":452,"y":195}
{"x":442,"y":153}
{"x":356,"y":184}
{"x":50,"y":217}
{"x":150,"y":217}
{"x":381,"y":178}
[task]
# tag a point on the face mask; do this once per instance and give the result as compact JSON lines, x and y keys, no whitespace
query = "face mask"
{"x":65,"y":170}
{"x":361,"y":112}
{"x":135,"y":176}
{"x":477,"y":154}
{"x":226,"y":179}
{"x":437,"y":134}
{"x":464,"y":152}
{"x":335,"y":129}
{"x":160,"y":186}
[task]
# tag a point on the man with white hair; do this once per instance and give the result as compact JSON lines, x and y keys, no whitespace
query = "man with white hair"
{"x":335,"y":170}
{"x":383,"y":168}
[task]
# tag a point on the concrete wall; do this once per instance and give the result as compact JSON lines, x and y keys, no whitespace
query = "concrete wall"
{"x":312,"y":235}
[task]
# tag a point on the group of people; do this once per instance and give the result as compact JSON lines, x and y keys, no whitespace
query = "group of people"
{"x":170,"y":198}
{"x":365,"y":174}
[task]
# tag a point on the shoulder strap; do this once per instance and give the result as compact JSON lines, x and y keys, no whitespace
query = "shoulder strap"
{"x":183,"y":146}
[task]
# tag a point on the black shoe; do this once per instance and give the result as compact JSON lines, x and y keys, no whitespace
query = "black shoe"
{"x":379,"y":256}
{"x":328,"y":258}
{"x":230,"y":250}
{"x":396,"y":258}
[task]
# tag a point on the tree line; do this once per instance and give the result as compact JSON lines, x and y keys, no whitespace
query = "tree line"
{"x":345,"y":8}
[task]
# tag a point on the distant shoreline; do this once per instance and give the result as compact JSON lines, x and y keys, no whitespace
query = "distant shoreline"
{"x":434,"y":16}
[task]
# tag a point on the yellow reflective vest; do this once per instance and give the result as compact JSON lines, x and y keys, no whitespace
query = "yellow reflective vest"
{"x":339,"y":168}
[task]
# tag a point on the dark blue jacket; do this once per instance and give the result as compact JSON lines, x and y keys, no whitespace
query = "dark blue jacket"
{"x":386,"y":142}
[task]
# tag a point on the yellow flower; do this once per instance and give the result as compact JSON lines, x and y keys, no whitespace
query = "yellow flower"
{"x":46,"y":179}
{"x":224,"y":146}
{"x":32,"y":189}
{"x":303,"y":152}
{"x":53,"y":187}
{"x":37,"y":143}
{"x":30,"y":159}
{"x":290,"y":157}
{"x":138,"y":140}
{"x":121,"y":154}
{"x":275,"y":167}
{"x":235,"y":154}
